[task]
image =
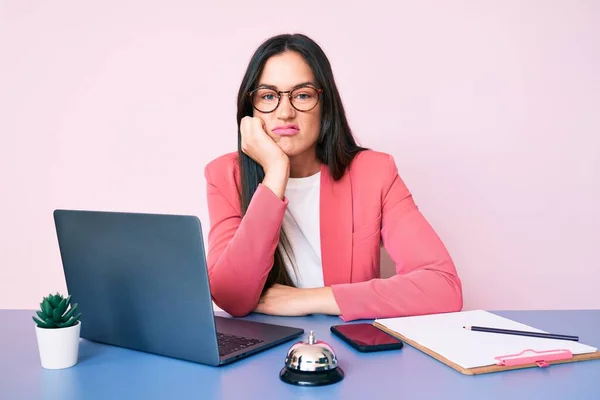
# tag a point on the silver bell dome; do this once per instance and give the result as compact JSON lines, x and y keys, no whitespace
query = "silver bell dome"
{"x":311,"y":363}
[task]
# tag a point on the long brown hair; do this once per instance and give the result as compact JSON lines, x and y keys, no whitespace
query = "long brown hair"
{"x":335,"y":148}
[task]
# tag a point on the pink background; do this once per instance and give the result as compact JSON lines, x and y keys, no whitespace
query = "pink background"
{"x":491,"y":110}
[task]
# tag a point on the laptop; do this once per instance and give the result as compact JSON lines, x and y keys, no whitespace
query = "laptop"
{"x":141,"y":282}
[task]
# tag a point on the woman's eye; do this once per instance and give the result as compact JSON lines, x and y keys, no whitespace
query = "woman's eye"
{"x":303,"y":96}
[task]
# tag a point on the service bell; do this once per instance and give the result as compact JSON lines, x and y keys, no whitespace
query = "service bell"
{"x":311,"y":363}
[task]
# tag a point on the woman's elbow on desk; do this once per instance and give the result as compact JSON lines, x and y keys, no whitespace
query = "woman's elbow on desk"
{"x":233,"y":307}
{"x":447,"y":296}
{"x":441,"y":292}
{"x":234,"y":311}
{"x":425,"y":292}
{"x":453,"y":300}
{"x":235,"y":301}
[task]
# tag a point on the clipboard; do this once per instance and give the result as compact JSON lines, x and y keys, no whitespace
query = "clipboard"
{"x":525,"y":358}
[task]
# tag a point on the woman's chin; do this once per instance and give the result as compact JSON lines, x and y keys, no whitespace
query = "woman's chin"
{"x":292,"y":149}
{"x":288,"y":149}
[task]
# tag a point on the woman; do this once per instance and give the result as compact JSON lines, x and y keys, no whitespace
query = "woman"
{"x":298,"y":214}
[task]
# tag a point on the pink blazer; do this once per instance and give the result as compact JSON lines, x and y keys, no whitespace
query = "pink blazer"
{"x":369,"y":207}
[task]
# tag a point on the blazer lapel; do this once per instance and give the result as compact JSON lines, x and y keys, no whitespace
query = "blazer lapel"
{"x":336,"y":228}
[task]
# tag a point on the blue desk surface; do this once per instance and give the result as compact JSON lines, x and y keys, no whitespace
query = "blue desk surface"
{"x":107,"y":372}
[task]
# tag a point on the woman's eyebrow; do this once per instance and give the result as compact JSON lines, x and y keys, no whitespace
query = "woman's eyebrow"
{"x":273,"y":87}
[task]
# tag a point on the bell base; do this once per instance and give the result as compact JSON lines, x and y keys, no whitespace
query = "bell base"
{"x":311,"y":378}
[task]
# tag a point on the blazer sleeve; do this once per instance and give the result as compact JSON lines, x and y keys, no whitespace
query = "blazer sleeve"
{"x":426,"y":279}
{"x":241,"y":249}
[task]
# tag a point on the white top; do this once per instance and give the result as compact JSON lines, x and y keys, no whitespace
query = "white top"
{"x":301,"y":224}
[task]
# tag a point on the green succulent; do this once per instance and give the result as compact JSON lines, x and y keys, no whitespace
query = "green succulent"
{"x":53,"y":312}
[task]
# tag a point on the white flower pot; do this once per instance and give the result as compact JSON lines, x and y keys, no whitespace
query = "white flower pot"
{"x":58,"y":347}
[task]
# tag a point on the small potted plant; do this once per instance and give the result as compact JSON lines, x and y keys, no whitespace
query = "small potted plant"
{"x":57,"y":332}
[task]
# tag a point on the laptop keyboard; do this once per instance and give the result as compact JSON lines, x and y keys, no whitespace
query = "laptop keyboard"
{"x":231,"y":343}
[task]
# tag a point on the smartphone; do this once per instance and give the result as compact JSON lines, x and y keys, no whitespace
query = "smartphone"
{"x":366,"y":337}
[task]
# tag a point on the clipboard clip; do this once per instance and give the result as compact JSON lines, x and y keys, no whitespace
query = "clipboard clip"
{"x":529,"y":356}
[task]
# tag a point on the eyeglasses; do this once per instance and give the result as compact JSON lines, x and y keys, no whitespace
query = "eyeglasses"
{"x":303,"y":98}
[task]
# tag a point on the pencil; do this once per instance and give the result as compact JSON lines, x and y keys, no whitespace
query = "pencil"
{"x":522,"y":333}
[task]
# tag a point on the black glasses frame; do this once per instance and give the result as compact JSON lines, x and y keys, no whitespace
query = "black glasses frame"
{"x":289,"y":95}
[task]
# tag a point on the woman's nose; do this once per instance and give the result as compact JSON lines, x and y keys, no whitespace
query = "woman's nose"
{"x":285,"y":109}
